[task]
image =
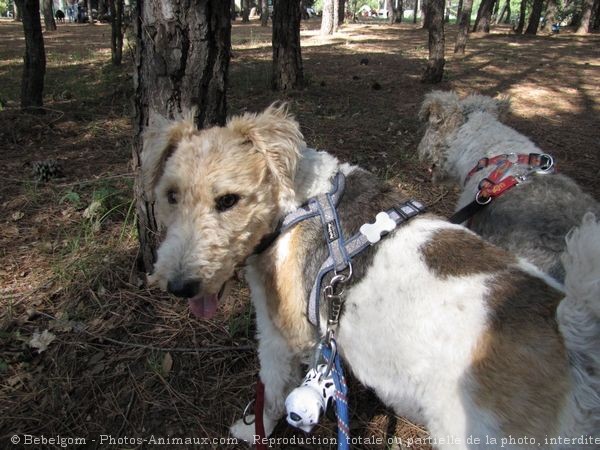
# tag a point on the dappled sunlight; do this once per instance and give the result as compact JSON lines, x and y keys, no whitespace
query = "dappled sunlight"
{"x":531,"y":100}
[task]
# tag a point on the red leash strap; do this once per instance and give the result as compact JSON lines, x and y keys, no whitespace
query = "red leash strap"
{"x":259,"y":406}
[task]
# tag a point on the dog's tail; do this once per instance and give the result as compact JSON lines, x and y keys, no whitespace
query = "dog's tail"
{"x":579,"y":319}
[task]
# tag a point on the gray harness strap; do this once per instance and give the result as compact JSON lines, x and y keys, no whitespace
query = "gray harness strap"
{"x":352,"y":247}
{"x":341,"y":251}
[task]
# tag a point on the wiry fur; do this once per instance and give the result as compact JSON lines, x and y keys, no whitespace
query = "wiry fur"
{"x":531,"y":219}
{"x":445,"y":328}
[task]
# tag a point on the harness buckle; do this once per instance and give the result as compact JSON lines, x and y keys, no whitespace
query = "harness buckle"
{"x":482,"y":183}
{"x":546,"y":163}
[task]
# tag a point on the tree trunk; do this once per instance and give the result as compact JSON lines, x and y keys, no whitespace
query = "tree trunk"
{"x":534,"y":18}
{"x":245,"y":11}
{"x":264,"y":13}
{"x":596,"y":15}
{"x":287,"y":58}
{"x":425,"y":13}
{"x":116,"y":25}
{"x":447,"y":12}
{"x":341,"y":12}
{"x":233,"y":11}
{"x":389,"y":7}
{"x":484,"y":16}
{"x":327,"y":17}
{"x":495,"y":13}
{"x":34,"y":61}
{"x":336,"y":15}
{"x":89,"y":12}
{"x":17,"y":16}
{"x":435,"y":65}
{"x":459,"y":10}
{"x":464,"y":23}
{"x":103,"y":8}
{"x":399,"y":11}
{"x":48,"y":11}
{"x":505,"y":9}
{"x":550,"y":16}
{"x":522,"y":11}
{"x":586,"y":23}
{"x":415,"y":9}
{"x":181,"y":61}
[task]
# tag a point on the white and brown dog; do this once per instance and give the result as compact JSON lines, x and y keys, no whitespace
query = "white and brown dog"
{"x":446,"y":328}
{"x":531,"y":219}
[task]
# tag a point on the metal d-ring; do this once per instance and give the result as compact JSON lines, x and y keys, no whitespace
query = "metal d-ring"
{"x":246,"y":413}
{"x":478,"y":199}
{"x":548,"y":166}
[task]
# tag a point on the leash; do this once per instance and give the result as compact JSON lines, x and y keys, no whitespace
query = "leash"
{"x":494,"y":185}
{"x":341,"y":397}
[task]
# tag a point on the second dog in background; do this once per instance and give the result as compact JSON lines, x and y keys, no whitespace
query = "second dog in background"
{"x":531,"y":219}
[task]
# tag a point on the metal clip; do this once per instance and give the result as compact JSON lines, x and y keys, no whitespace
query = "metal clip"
{"x":247,"y":413}
{"x":546,"y":163}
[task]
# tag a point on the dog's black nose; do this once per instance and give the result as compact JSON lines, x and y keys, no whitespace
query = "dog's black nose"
{"x":184,"y":288}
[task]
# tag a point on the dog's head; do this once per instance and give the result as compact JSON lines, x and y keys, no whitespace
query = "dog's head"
{"x":217,"y":192}
{"x":443,"y":114}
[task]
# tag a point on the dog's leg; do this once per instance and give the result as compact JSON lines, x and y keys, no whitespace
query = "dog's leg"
{"x":279,"y":372}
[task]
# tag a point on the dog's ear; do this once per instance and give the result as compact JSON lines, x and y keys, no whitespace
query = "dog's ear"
{"x":160,"y":140}
{"x":275,"y":134}
{"x":438,"y":106}
{"x":497,"y":107}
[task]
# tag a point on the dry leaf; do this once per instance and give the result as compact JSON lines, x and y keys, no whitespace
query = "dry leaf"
{"x":17,"y":215}
{"x":167,"y":364}
{"x":40,"y":341}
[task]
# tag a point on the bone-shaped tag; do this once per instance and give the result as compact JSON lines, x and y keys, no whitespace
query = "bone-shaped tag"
{"x":383,"y":224}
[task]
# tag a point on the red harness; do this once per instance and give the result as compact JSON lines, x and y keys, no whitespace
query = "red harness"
{"x":495,"y":185}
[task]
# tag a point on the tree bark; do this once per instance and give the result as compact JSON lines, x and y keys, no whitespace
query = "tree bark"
{"x":447,"y":12}
{"x":17,"y":16}
{"x":459,"y":10}
{"x":399,"y":11}
{"x":522,"y":11}
{"x":534,"y":18}
{"x":596,"y":15}
{"x":181,"y":62}
{"x":264,"y":13}
{"x":327,"y":17}
{"x":336,"y":15}
{"x":34,"y":60}
{"x":550,"y":16}
{"x":464,"y":23}
{"x":48,"y":11}
{"x":484,"y":16}
{"x":587,"y":20}
{"x":89,"y":12}
{"x":245,"y":11}
{"x":415,"y":9}
{"x":495,"y":12}
{"x":341,"y":12}
{"x":287,"y":57}
{"x":103,"y":8}
{"x":116,"y":25}
{"x":505,"y":9}
{"x":435,"y":65}
{"x":233,"y":11}
{"x":389,"y":7}
{"x":425,"y":13}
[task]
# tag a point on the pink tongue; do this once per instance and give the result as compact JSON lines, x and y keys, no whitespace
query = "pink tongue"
{"x":203,"y":306}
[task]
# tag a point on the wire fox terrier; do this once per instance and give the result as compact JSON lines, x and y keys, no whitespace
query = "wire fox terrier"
{"x":446,"y":328}
{"x":531,"y":220}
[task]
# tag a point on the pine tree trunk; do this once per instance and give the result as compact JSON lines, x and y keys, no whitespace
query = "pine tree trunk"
{"x":585,"y":26}
{"x":459,"y":10}
{"x":522,"y":11}
{"x":181,"y":61}
{"x":48,"y":11}
{"x":534,"y":18}
{"x":245,"y":11}
{"x":233,"y":11}
{"x":503,"y":11}
{"x":508,"y":12}
{"x":327,"y":17}
{"x":336,"y":15}
{"x":416,"y":8}
{"x":89,"y":12}
{"x":425,"y":13}
{"x":116,"y":25}
{"x":17,"y":11}
{"x":484,"y":16}
{"x":287,"y":57}
{"x":389,"y":7}
{"x":435,"y":65}
{"x":447,"y":12}
{"x":596,"y":15}
{"x":102,"y":8}
{"x":495,"y":13}
{"x":34,"y":61}
{"x":264,"y":13}
{"x":464,"y":23}
{"x":399,"y":11}
{"x":341,"y":12}
{"x":550,"y":16}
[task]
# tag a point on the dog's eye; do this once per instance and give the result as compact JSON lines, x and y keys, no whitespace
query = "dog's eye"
{"x":226,"y":201}
{"x":172,"y":197}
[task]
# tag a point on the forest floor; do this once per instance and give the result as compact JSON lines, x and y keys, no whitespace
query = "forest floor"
{"x":84,"y":351}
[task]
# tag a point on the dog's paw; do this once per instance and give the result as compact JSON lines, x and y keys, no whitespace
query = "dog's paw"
{"x":243,"y":432}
